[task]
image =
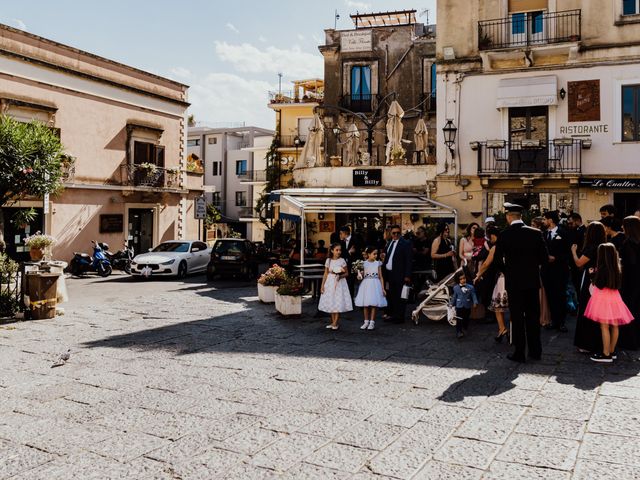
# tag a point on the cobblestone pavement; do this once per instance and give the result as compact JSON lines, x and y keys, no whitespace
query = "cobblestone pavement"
{"x":179,"y":380}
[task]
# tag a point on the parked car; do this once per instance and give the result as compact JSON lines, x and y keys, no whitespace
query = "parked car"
{"x":233,"y":257}
{"x":173,"y":258}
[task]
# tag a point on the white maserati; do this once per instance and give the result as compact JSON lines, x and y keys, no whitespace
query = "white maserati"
{"x":175,"y":257}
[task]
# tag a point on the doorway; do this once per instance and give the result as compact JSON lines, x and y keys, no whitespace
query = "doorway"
{"x":14,"y":234}
{"x":626,"y":203}
{"x":141,"y":229}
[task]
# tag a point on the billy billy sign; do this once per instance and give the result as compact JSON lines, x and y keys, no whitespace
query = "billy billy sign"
{"x":367,"y":177}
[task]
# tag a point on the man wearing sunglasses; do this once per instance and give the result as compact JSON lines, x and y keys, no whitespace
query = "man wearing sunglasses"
{"x":397,"y":273}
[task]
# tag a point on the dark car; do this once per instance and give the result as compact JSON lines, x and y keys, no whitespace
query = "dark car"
{"x":233,"y":257}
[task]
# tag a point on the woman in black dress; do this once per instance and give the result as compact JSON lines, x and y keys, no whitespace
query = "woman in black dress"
{"x":630,"y":258}
{"x":587,"y":337}
{"x":442,"y":252}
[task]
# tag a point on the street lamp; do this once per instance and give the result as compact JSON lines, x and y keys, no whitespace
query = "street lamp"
{"x":449,"y":131}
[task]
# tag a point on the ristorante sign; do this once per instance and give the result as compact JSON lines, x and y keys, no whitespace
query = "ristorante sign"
{"x":625,"y":183}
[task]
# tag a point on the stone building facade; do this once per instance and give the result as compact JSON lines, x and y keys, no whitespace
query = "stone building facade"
{"x":126,"y":130}
{"x":545,"y":98}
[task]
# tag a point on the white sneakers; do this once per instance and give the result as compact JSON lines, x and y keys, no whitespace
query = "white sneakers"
{"x":368,"y":325}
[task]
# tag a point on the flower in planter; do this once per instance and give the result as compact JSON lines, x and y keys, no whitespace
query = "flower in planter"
{"x":274,"y":277}
{"x":39,"y":240}
{"x":291,"y":287}
{"x":149,"y":168}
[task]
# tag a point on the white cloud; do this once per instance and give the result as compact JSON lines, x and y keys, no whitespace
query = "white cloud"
{"x":225,"y":97}
{"x":19,"y":24}
{"x":357,"y":5}
{"x":250,"y":59}
{"x":180,"y":72}
{"x":262,"y":39}
{"x":232,"y":27}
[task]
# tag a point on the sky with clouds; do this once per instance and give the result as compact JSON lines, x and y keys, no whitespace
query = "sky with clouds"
{"x":229,"y":53}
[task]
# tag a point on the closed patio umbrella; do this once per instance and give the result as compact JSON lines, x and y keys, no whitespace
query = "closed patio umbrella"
{"x":394,"y":129}
{"x":420,"y":137}
{"x":312,"y":151}
{"x":351,"y":146}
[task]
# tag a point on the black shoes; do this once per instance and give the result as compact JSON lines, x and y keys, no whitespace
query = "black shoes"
{"x":501,"y":335}
{"x":601,"y":358}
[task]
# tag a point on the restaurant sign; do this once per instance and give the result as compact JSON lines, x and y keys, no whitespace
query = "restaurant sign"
{"x":367,"y":177}
{"x":584,"y":101}
{"x":624,"y":183}
{"x":356,"y":41}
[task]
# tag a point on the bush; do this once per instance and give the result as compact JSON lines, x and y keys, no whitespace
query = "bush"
{"x":9,"y":304}
{"x":291,"y":287}
{"x":274,"y":277}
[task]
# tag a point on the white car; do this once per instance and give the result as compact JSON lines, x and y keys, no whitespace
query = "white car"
{"x":175,"y":257}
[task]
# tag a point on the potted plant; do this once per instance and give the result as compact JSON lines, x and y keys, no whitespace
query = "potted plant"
{"x":289,"y":297}
{"x":269,"y":282}
{"x":9,"y":287}
{"x":335,"y":160}
{"x":397,"y":154}
{"x":39,"y":244}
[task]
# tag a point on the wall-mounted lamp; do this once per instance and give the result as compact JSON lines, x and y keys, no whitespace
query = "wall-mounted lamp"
{"x":563,"y":93}
{"x":296,"y":141}
{"x":449,"y":130}
{"x":475,"y":146}
{"x":586,"y":143}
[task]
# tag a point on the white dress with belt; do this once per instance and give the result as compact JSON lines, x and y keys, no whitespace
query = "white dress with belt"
{"x":336,"y":297}
{"x":370,"y":291}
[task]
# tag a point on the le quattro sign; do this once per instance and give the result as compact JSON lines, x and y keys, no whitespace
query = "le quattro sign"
{"x":624,"y":183}
{"x":200,"y":210}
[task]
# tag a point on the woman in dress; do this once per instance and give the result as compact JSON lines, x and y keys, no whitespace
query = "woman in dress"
{"x":588,"y":338}
{"x":335,"y":297}
{"x":371,"y":294}
{"x":490,"y":269}
{"x":630,"y":259}
{"x":442,"y":252}
{"x":465,"y":248}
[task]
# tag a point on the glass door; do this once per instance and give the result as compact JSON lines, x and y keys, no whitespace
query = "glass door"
{"x":141,"y":229}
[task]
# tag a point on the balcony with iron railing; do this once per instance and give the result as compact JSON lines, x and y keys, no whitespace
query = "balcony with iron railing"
{"x":562,"y":156}
{"x":148,"y":175}
{"x":529,"y":29}
{"x":253,"y":176}
{"x":292,"y":141}
{"x":292,"y":97}
{"x":359,"y":102}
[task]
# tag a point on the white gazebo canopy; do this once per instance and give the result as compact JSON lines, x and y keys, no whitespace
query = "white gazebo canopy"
{"x":300,"y":201}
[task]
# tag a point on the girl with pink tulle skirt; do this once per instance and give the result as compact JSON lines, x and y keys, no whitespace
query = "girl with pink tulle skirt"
{"x":605,"y":305}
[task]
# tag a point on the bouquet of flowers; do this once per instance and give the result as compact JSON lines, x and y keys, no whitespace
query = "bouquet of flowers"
{"x":39,"y":240}
{"x":357,"y":267}
{"x":291,"y":287}
{"x":274,"y":277}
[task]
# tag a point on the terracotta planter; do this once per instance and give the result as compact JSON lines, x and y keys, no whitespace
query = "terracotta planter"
{"x":288,"y":305}
{"x":335,"y":161}
{"x":36,"y":254}
{"x":267,"y":294}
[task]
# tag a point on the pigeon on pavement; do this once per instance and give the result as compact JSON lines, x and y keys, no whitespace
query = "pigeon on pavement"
{"x":62,"y":359}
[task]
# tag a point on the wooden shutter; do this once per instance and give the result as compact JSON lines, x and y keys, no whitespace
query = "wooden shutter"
{"x":159,"y":158}
{"x":527,"y":5}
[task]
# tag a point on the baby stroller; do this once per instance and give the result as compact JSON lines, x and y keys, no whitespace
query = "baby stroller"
{"x":437,"y":297}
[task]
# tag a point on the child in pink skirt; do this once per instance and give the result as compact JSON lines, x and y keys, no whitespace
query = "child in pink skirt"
{"x":605,"y":305}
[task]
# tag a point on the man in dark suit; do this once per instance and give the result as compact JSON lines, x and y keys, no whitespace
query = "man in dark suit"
{"x":555,"y":274}
{"x":396,"y":270}
{"x":522,"y":251}
{"x":577,"y":232}
{"x":351,"y":251}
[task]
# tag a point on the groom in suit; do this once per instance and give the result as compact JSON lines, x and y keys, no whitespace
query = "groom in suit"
{"x":522,"y":251}
{"x":555,"y":274}
{"x":396,"y":270}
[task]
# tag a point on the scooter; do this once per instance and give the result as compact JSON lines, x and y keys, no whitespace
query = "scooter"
{"x":121,"y":260}
{"x":82,"y":262}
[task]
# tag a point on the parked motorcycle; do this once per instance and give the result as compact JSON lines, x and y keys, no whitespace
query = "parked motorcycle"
{"x":83,"y":262}
{"x":121,"y":260}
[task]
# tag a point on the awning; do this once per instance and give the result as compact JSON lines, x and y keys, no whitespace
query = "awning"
{"x":301,"y":201}
{"x":527,"y":91}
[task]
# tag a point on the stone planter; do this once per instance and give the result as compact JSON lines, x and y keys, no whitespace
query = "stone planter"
{"x":36,"y":254}
{"x":289,"y":305}
{"x":266,"y":294}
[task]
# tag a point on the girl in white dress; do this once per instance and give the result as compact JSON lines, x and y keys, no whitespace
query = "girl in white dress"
{"x":371,"y":293}
{"x":335,"y":297}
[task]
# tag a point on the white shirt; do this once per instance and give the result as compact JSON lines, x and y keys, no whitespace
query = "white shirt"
{"x":392,"y":248}
{"x":516,"y":222}
{"x":553,"y":233}
{"x":346,"y":241}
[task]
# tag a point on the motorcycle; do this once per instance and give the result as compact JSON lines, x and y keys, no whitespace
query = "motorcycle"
{"x":82,"y":262}
{"x":121,"y":260}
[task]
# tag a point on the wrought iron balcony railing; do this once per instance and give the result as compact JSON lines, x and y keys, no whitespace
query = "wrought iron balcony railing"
{"x":291,"y":97}
{"x":253,"y":176}
{"x":147,"y":175}
{"x":291,"y":142}
{"x":359,"y":102}
{"x":559,"y":156}
{"x":529,"y":29}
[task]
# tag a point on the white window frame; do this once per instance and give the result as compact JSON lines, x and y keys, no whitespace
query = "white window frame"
{"x":617,"y":110}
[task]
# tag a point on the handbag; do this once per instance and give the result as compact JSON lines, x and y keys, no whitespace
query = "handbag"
{"x":406,"y":290}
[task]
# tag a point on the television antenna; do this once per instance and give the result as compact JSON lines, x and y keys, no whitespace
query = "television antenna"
{"x":425,"y":13}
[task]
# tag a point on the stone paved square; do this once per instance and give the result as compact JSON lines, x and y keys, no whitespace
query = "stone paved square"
{"x":187,"y":380}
